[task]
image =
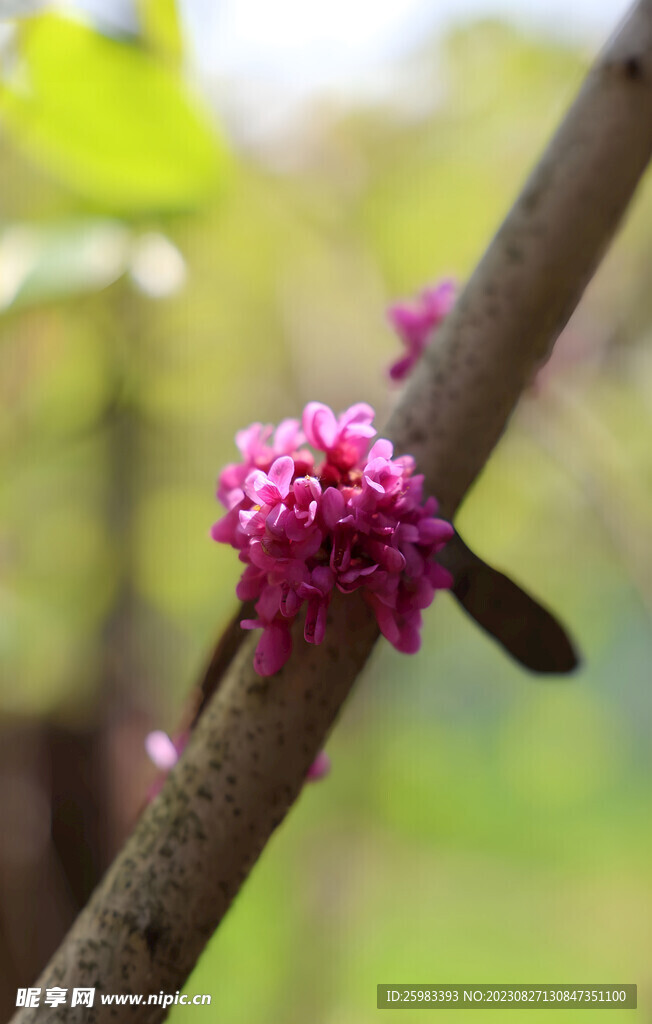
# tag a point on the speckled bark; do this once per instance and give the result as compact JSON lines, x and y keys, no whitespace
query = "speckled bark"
{"x":163,"y":897}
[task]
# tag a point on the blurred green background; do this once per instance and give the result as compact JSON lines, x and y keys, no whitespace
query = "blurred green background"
{"x":165,"y":280}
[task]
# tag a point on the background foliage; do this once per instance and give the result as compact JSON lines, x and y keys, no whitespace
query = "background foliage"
{"x":162,"y":285}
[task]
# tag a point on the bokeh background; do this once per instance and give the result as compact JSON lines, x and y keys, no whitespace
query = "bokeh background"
{"x":204,"y":212}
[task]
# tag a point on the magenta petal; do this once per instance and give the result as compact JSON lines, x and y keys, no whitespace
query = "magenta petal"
{"x":254,"y":483}
{"x":360,"y":413}
{"x":404,"y":318}
{"x":332,"y":506}
{"x":440,"y":578}
{"x":273,"y":650}
{"x":323,"y":578}
{"x":381,"y":449}
{"x":417,"y":322}
{"x":268,"y":493}
{"x":223,"y":531}
{"x":341,"y":551}
{"x":320,"y":767}
{"x":295,"y":528}
{"x":424,"y":593}
{"x":161,"y":750}
{"x":290,"y":603}
{"x":439,"y":300}
{"x":386,"y":619}
{"x":374,"y":484}
{"x":315,"y":627}
{"x":230,"y":478}
{"x":251,"y":522}
{"x":269,"y":602}
{"x":233,"y":497}
{"x":288,"y":437}
{"x":275,"y":521}
{"x":252,"y":440}
{"x":401,"y":368}
{"x":260,"y":557}
{"x":387,"y":556}
{"x":408,"y":533}
{"x":296,"y":573}
{"x":306,"y":490}
{"x":249,"y":585}
{"x":435,"y":531}
{"x":320,"y":425}
{"x":414,"y":561}
{"x":281,"y":473}
{"x":409,"y":641}
{"x":309,"y":546}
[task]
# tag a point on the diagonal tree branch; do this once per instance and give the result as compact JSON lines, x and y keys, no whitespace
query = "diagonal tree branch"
{"x":152,"y":914}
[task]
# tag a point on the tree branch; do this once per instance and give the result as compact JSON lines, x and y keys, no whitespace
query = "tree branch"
{"x":246,"y":761}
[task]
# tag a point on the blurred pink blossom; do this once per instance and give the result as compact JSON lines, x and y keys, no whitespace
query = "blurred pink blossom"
{"x":417,"y":321}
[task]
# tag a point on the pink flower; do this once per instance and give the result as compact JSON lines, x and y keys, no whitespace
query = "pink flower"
{"x":317,"y":592}
{"x":275,"y":645}
{"x":356,"y":520}
{"x":270,"y":489}
{"x":320,"y":767}
{"x":343,"y":439}
{"x":416,"y":323}
{"x":307,"y":496}
{"x":164,"y":752}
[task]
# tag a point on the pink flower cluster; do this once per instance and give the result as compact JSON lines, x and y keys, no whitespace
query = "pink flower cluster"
{"x":415,"y":323}
{"x":351,"y":518}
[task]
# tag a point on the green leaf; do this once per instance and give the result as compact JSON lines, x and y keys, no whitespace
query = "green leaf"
{"x":38,"y":264}
{"x":161,"y":29}
{"x":110,"y":120}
